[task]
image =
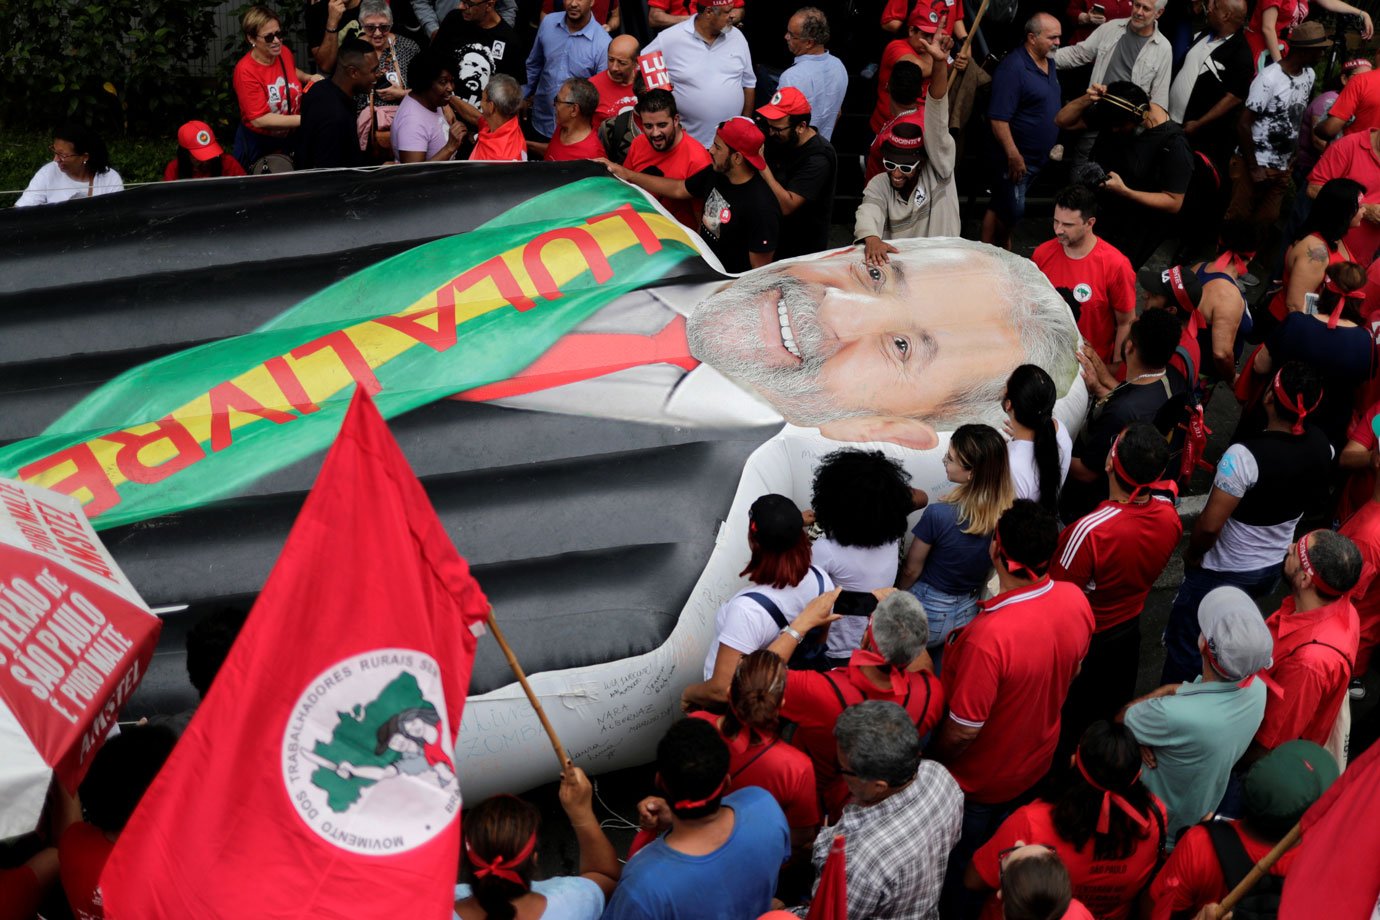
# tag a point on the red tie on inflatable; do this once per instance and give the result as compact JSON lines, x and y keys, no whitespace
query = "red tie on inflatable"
{"x":583,"y":356}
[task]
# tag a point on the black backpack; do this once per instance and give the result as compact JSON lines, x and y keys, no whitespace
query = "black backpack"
{"x":1261,"y":902}
{"x":812,"y":652}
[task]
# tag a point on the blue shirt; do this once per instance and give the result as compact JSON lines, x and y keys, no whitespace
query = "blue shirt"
{"x":823,"y":80}
{"x":957,"y":562}
{"x":1027,"y":99}
{"x":735,"y":881}
{"x":557,"y":55}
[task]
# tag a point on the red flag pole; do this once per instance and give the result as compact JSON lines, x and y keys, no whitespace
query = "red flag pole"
{"x":1258,"y":870}
{"x":561,"y":756}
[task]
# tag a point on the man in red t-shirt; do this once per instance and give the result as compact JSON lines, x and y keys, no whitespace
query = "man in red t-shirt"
{"x":1006,"y":675}
{"x":1356,"y":156}
{"x":892,"y":665}
{"x":664,"y":149}
{"x":902,"y":49}
{"x":615,"y":85}
{"x":1359,"y":100}
{"x":574,"y":137}
{"x":1275,"y":794}
{"x":1363,"y":529}
{"x":1316,"y":634}
{"x":1114,"y":554}
{"x":1092,"y":274}
{"x":664,"y":13}
{"x":907,"y":107}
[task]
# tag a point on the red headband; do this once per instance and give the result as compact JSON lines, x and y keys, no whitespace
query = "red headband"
{"x":1237,"y":260}
{"x":1336,"y":314}
{"x":1175,"y":277}
{"x":1307,"y":565}
{"x":1156,"y":484}
{"x":863,"y":655}
{"x":1012,"y":566}
{"x":1110,"y":798}
{"x":688,"y":804}
{"x":501,"y":866}
{"x":1293,"y":405}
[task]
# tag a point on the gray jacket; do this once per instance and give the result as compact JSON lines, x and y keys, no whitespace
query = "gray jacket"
{"x":931,"y":209}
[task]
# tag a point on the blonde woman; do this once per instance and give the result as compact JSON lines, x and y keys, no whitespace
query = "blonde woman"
{"x":947,"y":563}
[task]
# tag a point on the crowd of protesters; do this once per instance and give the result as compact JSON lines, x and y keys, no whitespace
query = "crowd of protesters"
{"x":954,"y":695}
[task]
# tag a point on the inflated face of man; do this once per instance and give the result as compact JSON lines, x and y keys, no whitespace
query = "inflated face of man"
{"x":662,"y":130}
{"x":888,"y":352}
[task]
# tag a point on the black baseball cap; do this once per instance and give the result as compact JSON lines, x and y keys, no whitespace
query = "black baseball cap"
{"x":775,"y":522}
{"x":1178,"y":282}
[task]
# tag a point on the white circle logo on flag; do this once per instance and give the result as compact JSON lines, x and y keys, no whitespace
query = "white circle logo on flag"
{"x":368,"y":756}
{"x":1082,"y":293}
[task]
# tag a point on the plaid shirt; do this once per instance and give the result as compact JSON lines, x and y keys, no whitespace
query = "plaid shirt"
{"x":898,"y":848}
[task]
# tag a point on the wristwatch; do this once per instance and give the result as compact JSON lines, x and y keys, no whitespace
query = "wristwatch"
{"x":788,"y":631}
{"x":333,"y":31}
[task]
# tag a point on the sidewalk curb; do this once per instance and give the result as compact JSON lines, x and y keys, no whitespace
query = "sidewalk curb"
{"x":1190,"y":506}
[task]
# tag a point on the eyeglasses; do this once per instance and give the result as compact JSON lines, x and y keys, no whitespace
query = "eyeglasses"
{"x":381,"y":30}
{"x":272,"y":37}
{"x":560,"y":101}
{"x":64,"y":157}
{"x":904,"y":169}
{"x":843,"y":772}
{"x":471,"y":4}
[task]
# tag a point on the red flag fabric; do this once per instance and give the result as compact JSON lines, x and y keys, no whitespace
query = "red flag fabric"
{"x":1334,"y":870}
{"x":831,"y":894}
{"x":316,"y":779}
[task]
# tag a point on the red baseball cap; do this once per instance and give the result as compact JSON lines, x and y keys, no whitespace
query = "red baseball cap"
{"x":787,"y":101}
{"x":740,"y":134}
{"x":199,"y":140}
{"x":924,"y":18}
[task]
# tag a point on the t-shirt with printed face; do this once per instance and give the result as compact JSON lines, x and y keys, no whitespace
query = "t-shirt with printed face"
{"x":737,"y":219}
{"x":477,"y":53}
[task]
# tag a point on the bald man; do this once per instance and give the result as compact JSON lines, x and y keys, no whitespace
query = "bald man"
{"x":615,"y":84}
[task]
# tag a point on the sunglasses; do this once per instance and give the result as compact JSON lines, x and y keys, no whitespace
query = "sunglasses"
{"x":381,"y":30}
{"x":272,"y":37}
{"x":64,"y":157}
{"x":904,"y":169}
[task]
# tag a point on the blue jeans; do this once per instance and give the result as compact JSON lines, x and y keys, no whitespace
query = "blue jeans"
{"x":1182,"y":661}
{"x":945,"y":613}
{"x":1008,"y":198}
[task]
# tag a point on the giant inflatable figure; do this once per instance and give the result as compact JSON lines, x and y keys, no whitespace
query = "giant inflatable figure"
{"x":591,"y":402}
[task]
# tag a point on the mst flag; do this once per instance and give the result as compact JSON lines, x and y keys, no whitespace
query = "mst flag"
{"x":316,"y":779}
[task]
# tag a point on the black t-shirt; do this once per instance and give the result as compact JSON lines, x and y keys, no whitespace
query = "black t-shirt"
{"x":1230,"y":70}
{"x":316,"y":24}
{"x":328,"y":135}
{"x":737,"y":219}
{"x":477,"y":53}
{"x":808,"y":171}
{"x":1158,"y":159}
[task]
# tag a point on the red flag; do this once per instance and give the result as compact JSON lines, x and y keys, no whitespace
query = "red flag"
{"x":1333,"y":874}
{"x":831,"y":894}
{"x":316,"y":779}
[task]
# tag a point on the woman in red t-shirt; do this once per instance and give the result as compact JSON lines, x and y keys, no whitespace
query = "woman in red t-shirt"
{"x":268,"y":85}
{"x":1274,"y":19}
{"x":757,"y":755}
{"x":1106,"y":827}
{"x":1334,"y":212}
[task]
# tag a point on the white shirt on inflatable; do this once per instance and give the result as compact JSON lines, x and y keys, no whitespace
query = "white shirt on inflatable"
{"x":745,"y":626}
{"x":855,"y":568}
{"x":1021,"y":455}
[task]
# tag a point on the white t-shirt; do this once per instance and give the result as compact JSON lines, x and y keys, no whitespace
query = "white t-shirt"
{"x":855,"y":568}
{"x":745,"y":626}
{"x":51,"y":185}
{"x":417,"y":127}
{"x":568,"y":897}
{"x":1021,"y":455}
{"x":1245,"y":547}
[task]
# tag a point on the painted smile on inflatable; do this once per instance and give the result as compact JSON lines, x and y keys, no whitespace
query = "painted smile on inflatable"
{"x":890,"y":353}
{"x":181,"y":379}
